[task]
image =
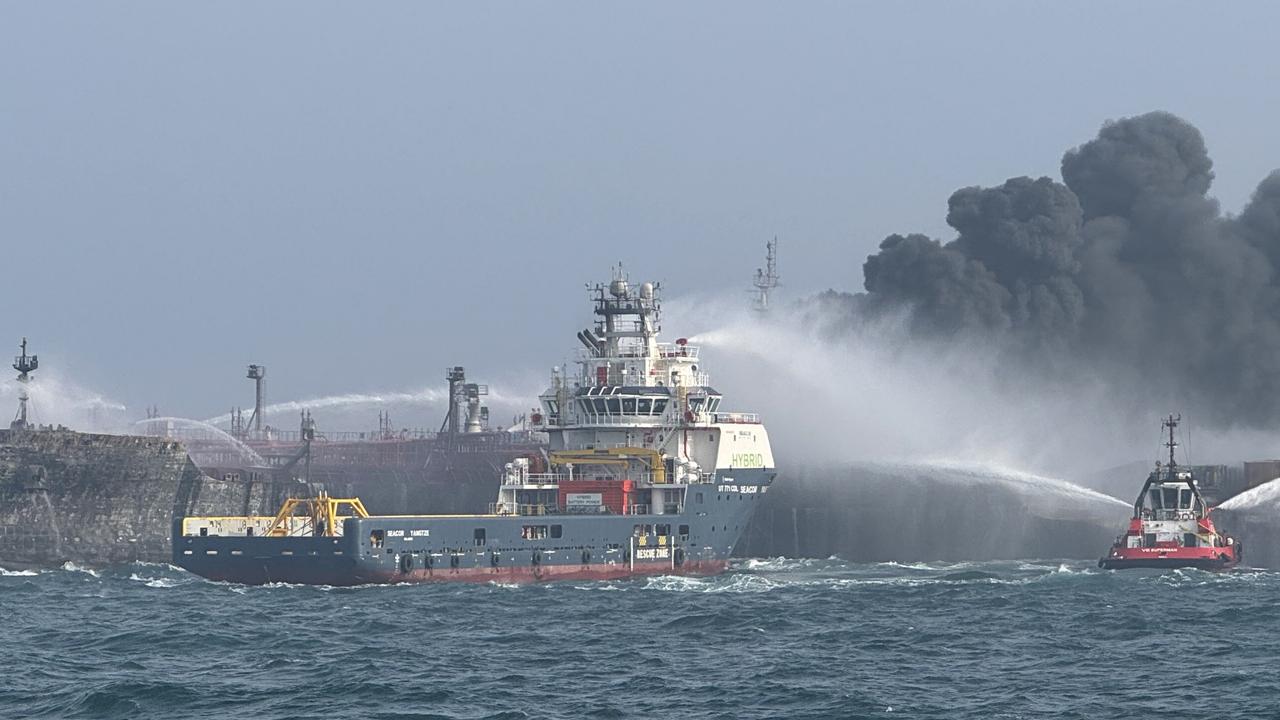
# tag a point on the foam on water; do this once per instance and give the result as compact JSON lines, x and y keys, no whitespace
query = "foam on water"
{"x":72,"y":567}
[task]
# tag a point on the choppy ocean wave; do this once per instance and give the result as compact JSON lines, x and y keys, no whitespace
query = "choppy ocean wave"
{"x":774,"y":637}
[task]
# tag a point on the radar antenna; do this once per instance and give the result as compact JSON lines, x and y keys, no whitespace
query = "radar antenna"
{"x":766,"y":279}
{"x":24,"y":364}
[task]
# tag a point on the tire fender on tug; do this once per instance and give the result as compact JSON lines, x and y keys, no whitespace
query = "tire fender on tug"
{"x":406,"y":562}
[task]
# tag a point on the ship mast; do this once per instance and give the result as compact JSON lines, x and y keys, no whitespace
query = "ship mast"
{"x":766,"y":279}
{"x":24,"y":364}
{"x":1170,"y":423}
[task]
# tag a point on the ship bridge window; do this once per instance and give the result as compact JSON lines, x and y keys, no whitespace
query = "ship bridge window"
{"x":478,"y":536}
{"x":1184,"y":501}
{"x":695,"y":404}
{"x":1170,"y":498}
{"x":533,"y":532}
{"x":1155,"y":499}
{"x":600,"y":407}
{"x":615,"y":406}
{"x":629,"y":406}
{"x":557,"y":531}
{"x":645,"y":406}
{"x":659,"y":406}
{"x":553,"y":407}
{"x":713,"y":405}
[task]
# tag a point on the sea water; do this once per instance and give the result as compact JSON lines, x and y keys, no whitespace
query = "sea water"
{"x":771,"y":638}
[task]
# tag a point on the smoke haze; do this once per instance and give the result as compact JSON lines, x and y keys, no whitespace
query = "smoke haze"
{"x":1126,"y":272}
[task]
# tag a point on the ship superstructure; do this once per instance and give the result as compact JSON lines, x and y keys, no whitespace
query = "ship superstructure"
{"x":1171,"y":526}
{"x":649,"y":401}
{"x":645,"y":474}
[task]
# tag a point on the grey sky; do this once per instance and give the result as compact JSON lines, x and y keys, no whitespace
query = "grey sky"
{"x":359,"y":194}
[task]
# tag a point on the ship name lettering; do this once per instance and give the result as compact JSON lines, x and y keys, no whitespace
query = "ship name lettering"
{"x":395,"y":533}
{"x":422,"y":533}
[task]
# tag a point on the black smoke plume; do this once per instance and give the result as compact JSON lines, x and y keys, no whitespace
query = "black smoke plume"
{"x":1127,"y":270}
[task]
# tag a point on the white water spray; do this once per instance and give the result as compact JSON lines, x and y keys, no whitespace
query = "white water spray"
{"x":429,"y":396}
{"x":246,"y":454}
{"x":57,"y":401}
{"x":342,"y":401}
{"x":1026,"y":483}
{"x":1268,"y":493}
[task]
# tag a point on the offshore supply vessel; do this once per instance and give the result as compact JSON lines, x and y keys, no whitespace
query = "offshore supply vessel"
{"x":1171,"y":526}
{"x":645,"y":474}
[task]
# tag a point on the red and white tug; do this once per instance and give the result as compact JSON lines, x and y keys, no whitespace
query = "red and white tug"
{"x":1171,"y":527}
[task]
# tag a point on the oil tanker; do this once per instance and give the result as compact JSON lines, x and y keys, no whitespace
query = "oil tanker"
{"x":645,"y":474}
{"x":98,"y":499}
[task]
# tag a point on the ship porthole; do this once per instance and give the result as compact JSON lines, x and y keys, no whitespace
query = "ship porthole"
{"x":406,"y":562}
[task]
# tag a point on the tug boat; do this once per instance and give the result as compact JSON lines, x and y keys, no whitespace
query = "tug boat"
{"x":1171,"y":527}
{"x":645,"y":475}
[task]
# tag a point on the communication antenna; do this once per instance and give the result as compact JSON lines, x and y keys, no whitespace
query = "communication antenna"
{"x":766,"y":279}
{"x":24,"y":364}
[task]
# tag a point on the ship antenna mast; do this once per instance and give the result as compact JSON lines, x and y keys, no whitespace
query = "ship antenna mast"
{"x":1172,"y":422}
{"x":24,"y":364}
{"x":766,"y":279}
